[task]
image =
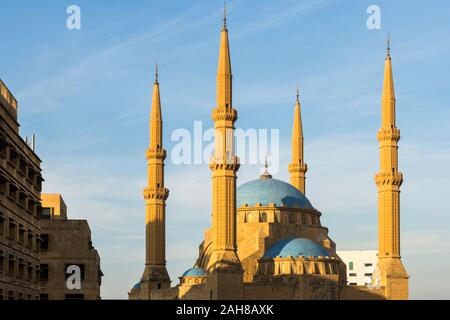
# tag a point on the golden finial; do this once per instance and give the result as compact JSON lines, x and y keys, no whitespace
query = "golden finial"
{"x":298,"y":91}
{"x":388,"y":49}
{"x":224,"y":16}
{"x":156,"y":72}
{"x":266,"y":175}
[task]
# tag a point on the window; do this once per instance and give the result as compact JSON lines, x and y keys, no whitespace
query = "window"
{"x":368,"y":264}
{"x":350,"y":265}
{"x":352,"y":275}
{"x":12,"y":230}
{"x":46,"y":213}
{"x":2,"y":226}
{"x":303,"y":219}
{"x":12,"y":194}
{"x":37,"y":274}
{"x":11,"y":265}
{"x":21,"y":269}
{"x":37,"y":243}
{"x":23,"y":167}
{"x":30,"y":271}
{"x":352,"y":284}
{"x":1,"y":295}
{"x":44,"y":272}
{"x":367,"y":274}
{"x":22,"y":198}
{"x":30,"y":175}
{"x":44,"y":241}
{"x":2,"y":263}
{"x":21,"y":234}
{"x":30,"y":239}
{"x":3,"y":184}
{"x":3,"y":147}
{"x":13,"y":157}
{"x":263,"y":217}
{"x":73,"y":296}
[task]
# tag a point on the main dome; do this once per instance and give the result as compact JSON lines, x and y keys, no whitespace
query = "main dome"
{"x":265,"y":191}
{"x":296,"y":247}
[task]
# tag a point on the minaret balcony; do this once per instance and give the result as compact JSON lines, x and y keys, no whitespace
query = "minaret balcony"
{"x":227,"y":114}
{"x":227,"y":163}
{"x":298,"y":167}
{"x":389,"y":178}
{"x":388,"y":134}
{"x":158,"y":153}
{"x":156,"y":193}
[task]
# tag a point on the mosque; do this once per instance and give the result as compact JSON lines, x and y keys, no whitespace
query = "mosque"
{"x":266,"y":240}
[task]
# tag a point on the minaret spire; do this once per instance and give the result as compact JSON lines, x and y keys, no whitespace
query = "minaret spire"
{"x":224,"y":76}
{"x":224,"y":265}
{"x":388,"y":46}
{"x":224,"y":16}
{"x":390,"y":270}
{"x":155,"y":194}
{"x":297,"y":168}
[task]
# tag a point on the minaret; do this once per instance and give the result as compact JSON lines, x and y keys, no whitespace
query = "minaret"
{"x":155,"y":275}
{"x":298,"y":167}
{"x":391,"y":273}
{"x":224,"y":265}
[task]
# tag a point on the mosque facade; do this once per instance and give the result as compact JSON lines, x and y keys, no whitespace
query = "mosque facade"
{"x":266,"y":240}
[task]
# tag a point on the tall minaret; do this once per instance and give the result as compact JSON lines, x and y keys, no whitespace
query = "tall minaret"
{"x":298,"y":167}
{"x":391,"y":272}
{"x":155,"y":275}
{"x":224,"y":263}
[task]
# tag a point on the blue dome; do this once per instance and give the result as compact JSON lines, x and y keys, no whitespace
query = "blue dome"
{"x":295,"y":247}
{"x":265,"y":191}
{"x":137,"y":286}
{"x":194,"y":272}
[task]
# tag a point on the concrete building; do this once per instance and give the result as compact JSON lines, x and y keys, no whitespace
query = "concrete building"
{"x":266,"y":239}
{"x":66,"y":243}
{"x":360,"y":266}
{"x":20,"y":192}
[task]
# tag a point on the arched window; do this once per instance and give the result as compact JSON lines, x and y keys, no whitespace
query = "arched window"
{"x":263,"y":217}
{"x":249,"y":218}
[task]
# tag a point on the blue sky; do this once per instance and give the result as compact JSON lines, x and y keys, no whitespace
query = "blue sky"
{"x":87,"y":93}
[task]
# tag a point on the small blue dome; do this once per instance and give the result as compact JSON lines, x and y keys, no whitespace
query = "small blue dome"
{"x":137,"y":286}
{"x":194,"y":272}
{"x":265,"y":191}
{"x":295,"y":247}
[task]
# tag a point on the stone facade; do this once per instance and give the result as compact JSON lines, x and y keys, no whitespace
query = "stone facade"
{"x":20,"y":191}
{"x":66,"y":242}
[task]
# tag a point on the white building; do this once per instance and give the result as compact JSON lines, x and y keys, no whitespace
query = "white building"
{"x":360,"y":265}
